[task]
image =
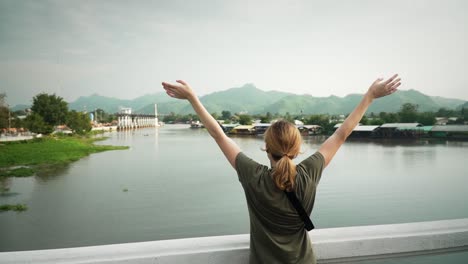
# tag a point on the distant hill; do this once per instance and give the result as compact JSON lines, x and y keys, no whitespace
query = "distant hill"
{"x":250,"y":99}
{"x":112,"y":105}
{"x":20,"y":107}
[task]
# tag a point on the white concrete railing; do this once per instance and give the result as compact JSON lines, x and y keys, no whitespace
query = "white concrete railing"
{"x":332,"y":245}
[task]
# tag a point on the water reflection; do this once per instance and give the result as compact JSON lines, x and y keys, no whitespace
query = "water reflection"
{"x":48,"y":172}
{"x":5,"y":185}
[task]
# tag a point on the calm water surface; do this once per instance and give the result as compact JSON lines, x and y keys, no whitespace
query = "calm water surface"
{"x":174,"y":182}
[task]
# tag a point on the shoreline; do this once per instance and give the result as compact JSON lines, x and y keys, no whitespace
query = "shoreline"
{"x":47,"y":151}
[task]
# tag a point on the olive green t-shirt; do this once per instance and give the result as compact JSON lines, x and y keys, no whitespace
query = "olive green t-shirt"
{"x":277,"y":233}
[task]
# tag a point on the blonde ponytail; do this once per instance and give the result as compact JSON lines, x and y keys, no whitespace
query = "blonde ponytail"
{"x":283,"y":142}
{"x":284,"y":174}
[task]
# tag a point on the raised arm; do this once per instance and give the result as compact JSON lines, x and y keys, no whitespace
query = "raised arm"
{"x":184,"y":91}
{"x":378,"y":89}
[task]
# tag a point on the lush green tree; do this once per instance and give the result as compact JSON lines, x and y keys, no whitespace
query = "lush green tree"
{"x":4,"y":115}
{"x":245,"y":119}
{"x":4,"y":111}
{"x":35,"y":123}
{"x":321,"y":120}
{"x":177,"y":118}
{"x":376,"y":122}
{"x":288,"y":117}
{"x":408,"y":113}
{"x":226,"y":115}
{"x":102,"y":116}
{"x":364,"y":120}
{"x":78,"y":122}
{"x":170,"y":118}
{"x":444,"y":112}
{"x":427,"y":118}
{"x":16,"y":122}
{"x":389,"y":117}
{"x":264,"y":119}
{"x":215,"y":115}
{"x":51,"y":108}
{"x":464,"y":114}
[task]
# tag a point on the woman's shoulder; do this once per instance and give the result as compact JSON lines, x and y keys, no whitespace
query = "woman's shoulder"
{"x":314,"y":160}
{"x":312,"y":166}
{"x":247,"y":168}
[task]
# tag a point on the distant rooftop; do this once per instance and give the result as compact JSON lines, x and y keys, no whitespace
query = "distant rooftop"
{"x":401,"y":125}
{"x":450,"y":128}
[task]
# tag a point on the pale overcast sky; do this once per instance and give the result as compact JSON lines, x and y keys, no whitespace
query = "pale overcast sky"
{"x":125,"y":49}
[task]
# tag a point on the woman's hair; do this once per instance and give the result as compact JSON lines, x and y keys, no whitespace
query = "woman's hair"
{"x":283,"y":141}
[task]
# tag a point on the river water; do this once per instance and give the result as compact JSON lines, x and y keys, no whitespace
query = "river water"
{"x":174,"y":182}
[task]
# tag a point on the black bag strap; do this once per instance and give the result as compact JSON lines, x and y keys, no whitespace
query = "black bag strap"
{"x":300,"y":210}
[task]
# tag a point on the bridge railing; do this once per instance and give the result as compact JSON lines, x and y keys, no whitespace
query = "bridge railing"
{"x":331,"y":245}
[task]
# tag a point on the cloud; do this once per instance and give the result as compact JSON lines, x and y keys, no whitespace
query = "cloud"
{"x":124,"y":49}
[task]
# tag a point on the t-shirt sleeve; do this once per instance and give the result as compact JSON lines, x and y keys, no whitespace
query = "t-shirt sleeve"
{"x":247,"y":169}
{"x":313,"y":166}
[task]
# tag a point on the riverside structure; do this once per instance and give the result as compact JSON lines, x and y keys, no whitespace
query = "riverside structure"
{"x":127,"y":120}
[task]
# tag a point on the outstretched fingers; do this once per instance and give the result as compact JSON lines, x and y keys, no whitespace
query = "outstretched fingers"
{"x":393,"y":88}
{"x":171,"y":89}
{"x":393,"y":85}
{"x":391,"y":79}
{"x":169,"y":85}
{"x":181,"y":82}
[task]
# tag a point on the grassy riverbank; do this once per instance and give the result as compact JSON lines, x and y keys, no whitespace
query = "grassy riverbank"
{"x":25,"y":158}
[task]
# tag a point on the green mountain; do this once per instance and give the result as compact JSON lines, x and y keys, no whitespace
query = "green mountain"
{"x":112,"y":105}
{"x":95,"y":101}
{"x":343,"y":105}
{"x":250,"y":99}
{"x":247,"y":98}
{"x":20,"y":107}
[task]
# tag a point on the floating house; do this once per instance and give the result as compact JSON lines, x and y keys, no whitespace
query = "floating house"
{"x":307,"y":130}
{"x":228,"y":127}
{"x":364,"y":131}
{"x":196,"y":124}
{"x":260,"y":128}
{"x":403,"y":130}
{"x":449,"y":131}
{"x":243,"y":130}
{"x":361,"y":131}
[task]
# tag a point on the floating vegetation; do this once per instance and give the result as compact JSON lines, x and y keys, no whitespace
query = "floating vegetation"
{"x":13,"y":207}
{"x":37,"y":155}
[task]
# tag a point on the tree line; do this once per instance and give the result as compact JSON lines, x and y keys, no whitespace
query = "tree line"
{"x":47,"y":112}
{"x":408,"y":113}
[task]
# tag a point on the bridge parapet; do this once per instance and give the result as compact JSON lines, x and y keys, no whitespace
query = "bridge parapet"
{"x":332,"y":245}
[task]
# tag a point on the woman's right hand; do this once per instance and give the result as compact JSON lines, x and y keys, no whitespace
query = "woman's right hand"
{"x":382,"y":88}
{"x":179,"y":91}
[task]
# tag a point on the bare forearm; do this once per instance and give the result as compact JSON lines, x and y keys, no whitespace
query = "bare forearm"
{"x":353,"y":119}
{"x":206,"y":118}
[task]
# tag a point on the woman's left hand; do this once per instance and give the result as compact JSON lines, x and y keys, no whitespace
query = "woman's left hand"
{"x":381,"y":88}
{"x":179,"y":91}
